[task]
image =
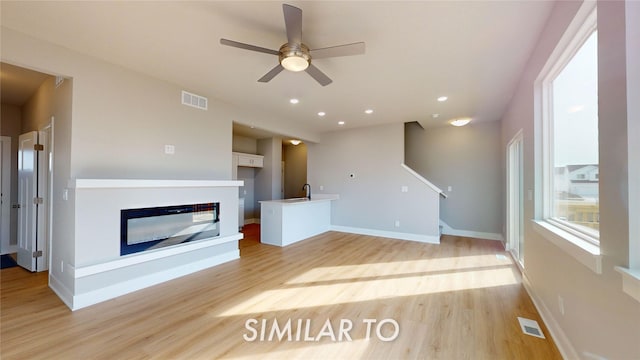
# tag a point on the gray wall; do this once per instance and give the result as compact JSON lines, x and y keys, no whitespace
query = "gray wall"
{"x":468,"y":159}
{"x":372,"y":198}
{"x":599,"y":318}
{"x":295,"y":169}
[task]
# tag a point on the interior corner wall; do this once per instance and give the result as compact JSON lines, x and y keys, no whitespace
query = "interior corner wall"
{"x":600,"y":320}
{"x":12,"y":127}
{"x":37,"y":111}
{"x":372,"y":198}
{"x":468,"y":159}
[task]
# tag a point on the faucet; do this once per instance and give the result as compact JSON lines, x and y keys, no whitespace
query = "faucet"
{"x":304,"y":187}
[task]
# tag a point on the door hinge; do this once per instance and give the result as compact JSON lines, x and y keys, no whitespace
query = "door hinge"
{"x":38,"y":200}
{"x":38,"y":147}
{"x":37,"y":254}
{"x":15,"y":206}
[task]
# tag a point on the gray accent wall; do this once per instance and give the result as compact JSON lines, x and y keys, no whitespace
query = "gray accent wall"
{"x":600,"y":320}
{"x":295,"y":169}
{"x":363,"y":166}
{"x":468,"y":159}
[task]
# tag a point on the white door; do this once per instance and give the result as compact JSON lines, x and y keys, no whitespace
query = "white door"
{"x":27,"y":198}
{"x":515,"y":205}
{"x":5,"y":197}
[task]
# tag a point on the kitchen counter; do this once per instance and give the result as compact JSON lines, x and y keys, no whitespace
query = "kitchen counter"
{"x":287,"y":221}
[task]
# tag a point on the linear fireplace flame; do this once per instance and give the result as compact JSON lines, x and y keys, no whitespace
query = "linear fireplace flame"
{"x":157,"y":227}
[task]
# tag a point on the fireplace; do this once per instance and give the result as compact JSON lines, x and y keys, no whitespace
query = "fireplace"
{"x":152,"y":228}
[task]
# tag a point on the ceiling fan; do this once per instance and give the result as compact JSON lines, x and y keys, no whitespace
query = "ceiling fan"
{"x":296,"y":56}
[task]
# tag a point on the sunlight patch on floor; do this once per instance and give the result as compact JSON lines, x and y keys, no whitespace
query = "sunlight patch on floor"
{"x":314,"y":350}
{"x":343,"y":272}
{"x":350,"y":291}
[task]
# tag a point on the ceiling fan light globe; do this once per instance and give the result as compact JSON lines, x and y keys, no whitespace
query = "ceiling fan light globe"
{"x":295,"y":63}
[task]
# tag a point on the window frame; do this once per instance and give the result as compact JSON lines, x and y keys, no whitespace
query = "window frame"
{"x":581,"y":245}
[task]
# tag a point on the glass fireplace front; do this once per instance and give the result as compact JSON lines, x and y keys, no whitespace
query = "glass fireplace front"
{"x":153,"y":228}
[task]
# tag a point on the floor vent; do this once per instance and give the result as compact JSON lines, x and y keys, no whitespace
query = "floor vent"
{"x":530,"y":327}
{"x":193,"y":100}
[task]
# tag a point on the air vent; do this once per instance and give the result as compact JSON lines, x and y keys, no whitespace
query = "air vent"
{"x":530,"y":327}
{"x":194,"y":100}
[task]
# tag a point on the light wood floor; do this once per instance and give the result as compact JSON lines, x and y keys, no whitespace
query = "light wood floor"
{"x":457,"y":300}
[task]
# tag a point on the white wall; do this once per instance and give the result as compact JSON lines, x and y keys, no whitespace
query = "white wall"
{"x":114,"y":123}
{"x":372,"y":199}
{"x":599,"y":318}
{"x":468,"y":159}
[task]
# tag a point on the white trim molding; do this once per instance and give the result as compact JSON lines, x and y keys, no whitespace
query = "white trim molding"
{"x":586,"y":253}
{"x":448,"y":230}
{"x":423,"y":180}
{"x":429,"y":239}
{"x":141,"y":183}
{"x":106,"y":293}
{"x":559,"y":337}
{"x":630,"y":281}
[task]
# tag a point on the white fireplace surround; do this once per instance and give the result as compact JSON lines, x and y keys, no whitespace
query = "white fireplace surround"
{"x":100,"y":273}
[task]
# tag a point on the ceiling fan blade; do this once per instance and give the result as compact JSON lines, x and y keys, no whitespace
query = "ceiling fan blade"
{"x":248,"y":47}
{"x":271,"y":74}
{"x":293,"y":23}
{"x":339,"y":50}
{"x":318,"y":75}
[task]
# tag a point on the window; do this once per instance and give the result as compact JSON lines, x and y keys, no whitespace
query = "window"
{"x":570,"y":137}
{"x":566,"y":143}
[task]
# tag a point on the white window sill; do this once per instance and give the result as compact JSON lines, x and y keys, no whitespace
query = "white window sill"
{"x":586,"y":253}
{"x":630,"y":281}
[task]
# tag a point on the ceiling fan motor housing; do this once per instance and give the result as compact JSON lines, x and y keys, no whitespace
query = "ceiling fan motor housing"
{"x":294,"y":57}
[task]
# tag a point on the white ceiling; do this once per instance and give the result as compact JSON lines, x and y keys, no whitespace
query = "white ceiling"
{"x":471,"y":51}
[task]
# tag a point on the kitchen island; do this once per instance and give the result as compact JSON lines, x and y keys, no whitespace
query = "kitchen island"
{"x":284,"y":222}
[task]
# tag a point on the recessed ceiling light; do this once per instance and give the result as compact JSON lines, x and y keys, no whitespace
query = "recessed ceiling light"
{"x":294,"y":101}
{"x":322,"y":113}
{"x":368,"y":111}
{"x":435,"y":116}
{"x":460,"y":122}
{"x":442,"y":98}
{"x":296,"y":142}
{"x":340,"y":122}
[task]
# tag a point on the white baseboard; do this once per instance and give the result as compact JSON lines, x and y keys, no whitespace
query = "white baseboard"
{"x":93,"y":297}
{"x":12,"y":249}
{"x":557,"y":334}
{"x":62,"y":291}
{"x":430,"y":239}
{"x":448,"y":230}
{"x":251,"y":221}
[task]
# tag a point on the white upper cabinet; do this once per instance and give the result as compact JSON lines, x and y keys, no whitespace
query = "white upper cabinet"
{"x":250,"y":160}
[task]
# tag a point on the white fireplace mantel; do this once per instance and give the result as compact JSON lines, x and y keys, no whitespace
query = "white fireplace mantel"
{"x":98,"y":272}
{"x":145,"y":183}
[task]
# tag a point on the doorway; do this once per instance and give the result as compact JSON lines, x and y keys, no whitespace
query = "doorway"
{"x":515,"y":206}
{"x":35,"y":172}
{"x":5,"y":197}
